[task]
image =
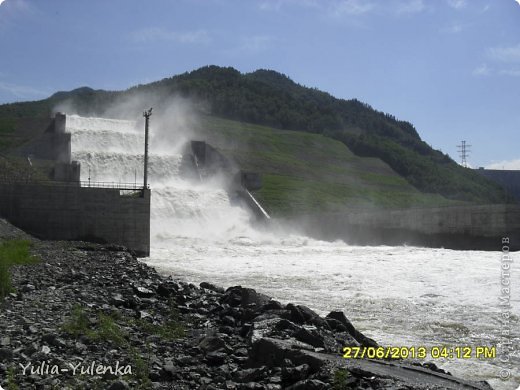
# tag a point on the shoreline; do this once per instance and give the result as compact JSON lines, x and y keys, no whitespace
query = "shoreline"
{"x":95,"y":307}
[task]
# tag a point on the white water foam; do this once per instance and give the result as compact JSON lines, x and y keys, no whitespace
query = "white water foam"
{"x":402,"y":296}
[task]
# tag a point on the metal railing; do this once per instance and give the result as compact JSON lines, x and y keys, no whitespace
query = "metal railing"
{"x":111,"y":184}
{"x":83,"y":184}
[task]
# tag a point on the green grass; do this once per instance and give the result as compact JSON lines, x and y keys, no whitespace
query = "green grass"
{"x":113,"y":328}
{"x":13,"y":252}
{"x":78,"y":323}
{"x":7,"y":125}
{"x":141,"y":369}
{"x":110,"y":327}
{"x":13,"y":168}
{"x":105,"y":329}
{"x":305,"y":173}
{"x":341,"y":377}
{"x":11,"y":384}
{"x":170,"y":330}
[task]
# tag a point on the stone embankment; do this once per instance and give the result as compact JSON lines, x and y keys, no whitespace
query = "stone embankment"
{"x":94,"y":317}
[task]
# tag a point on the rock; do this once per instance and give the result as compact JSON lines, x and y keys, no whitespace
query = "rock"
{"x":212,"y":287}
{"x":119,"y":385}
{"x":273,"y":352}
{"x":309,"y":384}
{"x":117,"y":300}
{"x":5,"y":341}
{"x":310,"y":337}
{"x":291,"y":375}
{"x":246,"y":329}
{"x":273,"y":305}
{"x":232,"y":296}
{"x":342,"y":319}
{"x":251,"y":297}
{"x":28,"y":288}
{"x":284,"y":324}
{"x":216,"y":358}
{"x":302,"y":314}
{"x":295,"y":314}
{"x":165,"y":291}
{"x":6,"y":355}
{"x":228,"y":320}
{"x":358,"y":336}
{"x":250,"y":386}
{"x":49,"y":338}
{"x":141,"y":314}
{"x":213,"y":343}
{"x":250,"y":375}
{"x":143,"y":292}
{"x":336,"y":325}
{"x":169,"y":371}
{"x":32,"y":329}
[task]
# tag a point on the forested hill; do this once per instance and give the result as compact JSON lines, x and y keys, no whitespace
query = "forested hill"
{"x":269,"y":98}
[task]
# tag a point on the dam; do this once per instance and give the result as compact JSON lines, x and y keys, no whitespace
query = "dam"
{"x":471,"y":227}
{"x":93,"y":194}
{"x":66,"y":208}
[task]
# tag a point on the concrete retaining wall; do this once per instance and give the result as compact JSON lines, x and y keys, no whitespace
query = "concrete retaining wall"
{"x":51,"y":143}
{"x":77,"y":213}
{"x":509,"y":179}
{"x":465,"y":227}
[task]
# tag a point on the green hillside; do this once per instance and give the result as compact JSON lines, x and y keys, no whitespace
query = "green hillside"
{"x":271,"y":99}
{"x":305,"y":172}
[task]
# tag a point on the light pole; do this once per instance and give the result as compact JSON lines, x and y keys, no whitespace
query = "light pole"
{"x":147,"y":115}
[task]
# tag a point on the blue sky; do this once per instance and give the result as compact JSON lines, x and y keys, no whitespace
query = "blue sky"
{"x":450,"y":67}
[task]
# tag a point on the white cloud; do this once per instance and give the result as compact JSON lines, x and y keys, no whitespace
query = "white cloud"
{"x":339,"y":8}
{"x":518,"y":1}
{"x":351,"y":7}
{"x":411,"y":7}
{"x":157,"y":34}
{"x":17,"y":5}
{"x":276,"y":5}
{"x":457,"y":4}
{"x":21,"y":91}
{"x":510,"y":72}
{"x":482,"y":70}
{"x":452,"y":29}
{"x":255,"y":43}
{"x":506,"y":164}
{"x":505,"y":53}
{"x":270,"y":5}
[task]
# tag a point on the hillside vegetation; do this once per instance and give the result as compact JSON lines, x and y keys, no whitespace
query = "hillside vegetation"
{"x":306,"y":173}
{"x":271,"y":99}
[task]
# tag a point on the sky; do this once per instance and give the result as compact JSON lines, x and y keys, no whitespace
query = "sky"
{"x":450,"y":67}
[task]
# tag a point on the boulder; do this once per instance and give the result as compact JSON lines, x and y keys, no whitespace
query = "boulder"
{"x":358,"y":336}
{"x":212,"y":287}
{"x":309,"y":384}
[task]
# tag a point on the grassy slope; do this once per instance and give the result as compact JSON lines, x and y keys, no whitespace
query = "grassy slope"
{"x":306,"y":172}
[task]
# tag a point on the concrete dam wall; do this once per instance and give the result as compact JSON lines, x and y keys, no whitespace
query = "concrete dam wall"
{"x":509,"y":179}
{"x":462,"y":227}
{"x":64,"y":208}
{"x":69,"y":212}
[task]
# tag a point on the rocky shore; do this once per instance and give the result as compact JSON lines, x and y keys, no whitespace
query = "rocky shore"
{"x":92,"y":316}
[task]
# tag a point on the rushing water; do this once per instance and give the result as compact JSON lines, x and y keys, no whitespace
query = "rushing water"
{"x":402,"y":296}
